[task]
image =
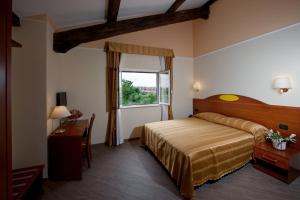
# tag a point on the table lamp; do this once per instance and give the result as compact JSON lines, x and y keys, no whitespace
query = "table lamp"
{"x":60,"y":112}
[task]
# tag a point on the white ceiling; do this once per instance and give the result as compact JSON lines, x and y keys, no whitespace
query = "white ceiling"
{"x":67,"y":13}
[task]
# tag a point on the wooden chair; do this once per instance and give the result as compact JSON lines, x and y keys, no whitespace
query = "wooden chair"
{"x":86,"y":142}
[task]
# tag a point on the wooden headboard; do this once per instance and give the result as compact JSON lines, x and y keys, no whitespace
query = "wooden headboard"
{"x":250,"y":109}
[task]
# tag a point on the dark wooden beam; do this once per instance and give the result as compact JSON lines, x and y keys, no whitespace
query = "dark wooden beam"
{"x":175,"y":6}
{"x":15,"y":20}
{"x":66,"y":40}
{"x":15,"y":44}
{"x":113,"y":10}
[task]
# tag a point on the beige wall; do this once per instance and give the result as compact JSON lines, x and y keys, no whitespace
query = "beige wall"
{"x":53,"y":78}
{"x":249,"y":68}
{"x":29,"y":139}
{"x":183,"y":86}
{"x":83,"y":78}
{"x":35,"y":81}
{"x":232,"y":21}
{"x":176,"y":36}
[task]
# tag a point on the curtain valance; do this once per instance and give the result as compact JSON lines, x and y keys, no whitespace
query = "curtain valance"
{"x":137,"y":49}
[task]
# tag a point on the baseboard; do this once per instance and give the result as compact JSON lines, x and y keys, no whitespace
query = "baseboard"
{"x":134,"y":138}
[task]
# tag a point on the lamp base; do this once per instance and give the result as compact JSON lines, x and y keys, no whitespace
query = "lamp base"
{"x":60,"y":131}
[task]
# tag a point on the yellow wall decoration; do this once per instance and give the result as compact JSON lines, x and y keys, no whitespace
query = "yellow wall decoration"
{"x":229,"y":97}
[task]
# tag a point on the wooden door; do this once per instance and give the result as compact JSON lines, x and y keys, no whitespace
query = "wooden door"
{"x":5,"y":116}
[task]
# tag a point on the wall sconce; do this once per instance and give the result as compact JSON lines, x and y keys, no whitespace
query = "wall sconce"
{"x":283,"y":84}
{"x":197,"y":86}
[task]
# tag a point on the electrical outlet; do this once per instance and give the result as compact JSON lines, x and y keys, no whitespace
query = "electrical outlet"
{"x":283,"y":126}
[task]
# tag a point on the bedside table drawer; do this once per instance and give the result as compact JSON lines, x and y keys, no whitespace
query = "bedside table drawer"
{"x":272,"y":159}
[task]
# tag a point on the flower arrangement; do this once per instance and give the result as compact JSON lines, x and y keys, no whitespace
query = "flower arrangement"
{"x":75,"y":114}
{"x":278,"y":141}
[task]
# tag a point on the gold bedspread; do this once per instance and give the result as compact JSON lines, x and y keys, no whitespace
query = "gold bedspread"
{"x":195,"y":150}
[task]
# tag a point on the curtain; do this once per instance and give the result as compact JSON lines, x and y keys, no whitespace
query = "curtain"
{"x":113,"y":62}
{"x":166,"y":110}
{"x":120,"y":135}
{"x":138,"y":49}
{"x":169,"y":66}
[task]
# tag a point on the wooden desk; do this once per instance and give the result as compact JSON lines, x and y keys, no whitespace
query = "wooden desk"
{"x":64,"y":151}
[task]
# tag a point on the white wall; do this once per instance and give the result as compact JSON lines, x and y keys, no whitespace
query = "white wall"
{"x":29,"y":139}
{"x":83,"y":77}
{"x":53,"y":78}
{"x":35,"y":81}
{"x":248,"y":68}
{"x":182,"y":86}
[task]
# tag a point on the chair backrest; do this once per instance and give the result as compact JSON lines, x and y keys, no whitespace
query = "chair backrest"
{"x":90,"y":128}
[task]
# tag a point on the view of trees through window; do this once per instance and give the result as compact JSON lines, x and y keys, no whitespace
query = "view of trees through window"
{"x":144,"y":88}
{"x":138,"y":88}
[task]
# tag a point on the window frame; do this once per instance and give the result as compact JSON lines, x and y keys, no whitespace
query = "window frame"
{"x":169,"y":91}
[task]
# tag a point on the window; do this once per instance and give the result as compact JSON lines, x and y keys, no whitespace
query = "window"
{"x":138,"y":88}
{"x":164,"y":87}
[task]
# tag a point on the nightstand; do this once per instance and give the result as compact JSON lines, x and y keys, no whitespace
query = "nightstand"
{"x":283,"y":165}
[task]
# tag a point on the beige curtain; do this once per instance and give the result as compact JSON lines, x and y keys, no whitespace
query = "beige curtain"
{"x":169,"y":66}
{"x":113,"y":62}
{"x":138,"y":49}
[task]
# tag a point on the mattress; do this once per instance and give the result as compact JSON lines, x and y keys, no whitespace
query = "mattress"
{"x":195,"y":150}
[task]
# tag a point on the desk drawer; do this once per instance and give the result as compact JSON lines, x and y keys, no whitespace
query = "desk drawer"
{"x":271,"y":158}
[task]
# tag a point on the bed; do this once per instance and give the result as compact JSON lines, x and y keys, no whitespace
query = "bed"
{"x":201,"y":148}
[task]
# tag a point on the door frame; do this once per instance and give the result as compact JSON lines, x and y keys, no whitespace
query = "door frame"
{"x":5,"y":100}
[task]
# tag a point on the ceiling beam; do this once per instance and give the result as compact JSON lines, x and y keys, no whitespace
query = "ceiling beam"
{"x":113,"y":10}
{"x":175,"y":6}
{"x":15,"y":20}
{"x":66,"y":40}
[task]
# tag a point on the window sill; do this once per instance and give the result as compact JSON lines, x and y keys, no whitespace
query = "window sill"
{"x":140,"y":106}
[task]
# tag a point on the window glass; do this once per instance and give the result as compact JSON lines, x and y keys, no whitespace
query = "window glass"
{"x":164,"y":87}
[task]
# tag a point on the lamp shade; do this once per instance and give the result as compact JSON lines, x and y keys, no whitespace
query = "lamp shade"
{"x":282,"y":82}
{"x":197,"y":86}
{"x":60,"y":112}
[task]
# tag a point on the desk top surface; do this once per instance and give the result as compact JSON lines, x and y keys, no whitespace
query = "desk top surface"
{"x":73,"y":128}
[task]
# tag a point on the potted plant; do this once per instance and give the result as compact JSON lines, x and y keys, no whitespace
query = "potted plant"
{"x":278,"y":141}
